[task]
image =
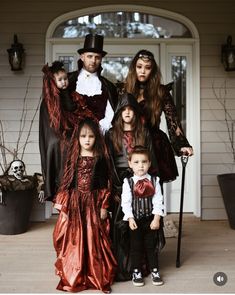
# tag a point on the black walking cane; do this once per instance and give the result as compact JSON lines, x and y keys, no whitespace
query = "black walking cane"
{"x":184,"y":161}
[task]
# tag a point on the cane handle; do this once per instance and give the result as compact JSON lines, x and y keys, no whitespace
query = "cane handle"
{"x":184,"y":160}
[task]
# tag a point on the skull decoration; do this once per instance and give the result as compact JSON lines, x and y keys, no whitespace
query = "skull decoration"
{"x":17,"y":168}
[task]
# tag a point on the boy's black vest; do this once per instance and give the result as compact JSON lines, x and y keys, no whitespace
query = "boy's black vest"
{"x":142,"y":207}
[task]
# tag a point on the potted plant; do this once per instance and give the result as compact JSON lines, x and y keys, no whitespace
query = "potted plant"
{"x":17,"y":189}
{"x":227,"y":180}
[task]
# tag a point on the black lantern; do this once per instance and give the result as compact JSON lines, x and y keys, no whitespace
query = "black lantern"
{"x":228,"y":55}
{"x":15,"y":54}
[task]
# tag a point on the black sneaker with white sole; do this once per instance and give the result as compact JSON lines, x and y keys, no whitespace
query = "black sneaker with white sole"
{"x":156,"y":279}
{"x":137,"y":278}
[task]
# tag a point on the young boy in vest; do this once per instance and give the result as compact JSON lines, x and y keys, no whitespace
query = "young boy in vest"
{"x":142,"y":205}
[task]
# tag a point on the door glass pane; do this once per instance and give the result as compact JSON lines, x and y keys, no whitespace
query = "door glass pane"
{"x":178,"y":75}
{"x":68,"y":62}
{"x":115,"y":69}
{"x":122,"y":24}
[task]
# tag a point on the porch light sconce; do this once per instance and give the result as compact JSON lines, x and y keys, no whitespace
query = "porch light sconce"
{"x":15,"y":55}
{"x":228,"y":55}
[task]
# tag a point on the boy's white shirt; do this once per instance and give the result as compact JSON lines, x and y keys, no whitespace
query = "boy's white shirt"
{"x":126,"y":197}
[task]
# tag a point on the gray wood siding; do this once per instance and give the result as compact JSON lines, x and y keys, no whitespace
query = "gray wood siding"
{"x":214,"y":21}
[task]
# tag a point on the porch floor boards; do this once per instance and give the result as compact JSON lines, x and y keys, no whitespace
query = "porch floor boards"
{"x":27,"y":261}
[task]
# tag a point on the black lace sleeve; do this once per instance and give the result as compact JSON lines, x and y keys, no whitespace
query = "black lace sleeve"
{"x":176,"y":133}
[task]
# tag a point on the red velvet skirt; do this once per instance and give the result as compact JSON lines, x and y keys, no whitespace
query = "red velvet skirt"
{"x":82,"y":243}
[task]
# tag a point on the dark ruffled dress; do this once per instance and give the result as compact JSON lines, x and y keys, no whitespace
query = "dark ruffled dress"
{"x":165,"y":150}
{"x":81,"y":239}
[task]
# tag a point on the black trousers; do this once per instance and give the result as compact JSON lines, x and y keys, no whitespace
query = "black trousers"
{"x":143,"y":242}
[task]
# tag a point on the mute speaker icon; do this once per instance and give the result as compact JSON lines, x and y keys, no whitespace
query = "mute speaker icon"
{"x":220,"y":278}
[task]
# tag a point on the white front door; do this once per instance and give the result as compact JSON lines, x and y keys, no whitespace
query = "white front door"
{"x":172,"y":60}
{"x":178,"y":68}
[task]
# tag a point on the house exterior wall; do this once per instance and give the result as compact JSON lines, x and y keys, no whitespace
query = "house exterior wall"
{"x":215,"y":20}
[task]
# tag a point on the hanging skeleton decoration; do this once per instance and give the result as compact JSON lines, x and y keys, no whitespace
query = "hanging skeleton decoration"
{"x":40,"y":187}
{"x":17,"y":168}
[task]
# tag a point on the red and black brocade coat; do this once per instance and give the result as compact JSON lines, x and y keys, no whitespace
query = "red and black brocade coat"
{"x":107,"y":86}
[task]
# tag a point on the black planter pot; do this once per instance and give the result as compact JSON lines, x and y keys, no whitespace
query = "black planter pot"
{"x":15,"y":212}
{"x":227,"y":187}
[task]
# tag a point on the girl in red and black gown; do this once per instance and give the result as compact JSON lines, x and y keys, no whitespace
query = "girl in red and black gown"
{"x":127,"y":131}
{"x":81,"y":235}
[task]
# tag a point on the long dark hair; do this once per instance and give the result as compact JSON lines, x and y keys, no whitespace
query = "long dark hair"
{"x":99,"y":147}
{"x":153,"y":91}
{"x":118,"y":130}
{"x":73,"y":151}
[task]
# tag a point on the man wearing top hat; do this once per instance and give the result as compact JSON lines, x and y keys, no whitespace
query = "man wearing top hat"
{"x":99,"y":93}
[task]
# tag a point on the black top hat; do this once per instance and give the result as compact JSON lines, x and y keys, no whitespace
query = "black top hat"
{"x":93,"y":43}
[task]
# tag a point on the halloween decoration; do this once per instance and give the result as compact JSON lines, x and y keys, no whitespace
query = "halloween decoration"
{"x":17,"y":168}
{"x":17,"y":192}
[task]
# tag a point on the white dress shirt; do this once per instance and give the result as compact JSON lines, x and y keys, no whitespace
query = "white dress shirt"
{"x":89,"y":84}
{"x":126,"y":197}
{"x":105,"y":123}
